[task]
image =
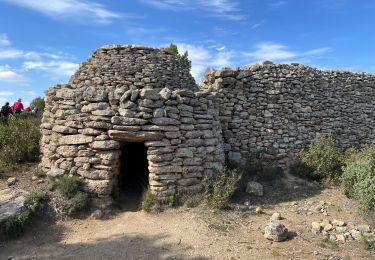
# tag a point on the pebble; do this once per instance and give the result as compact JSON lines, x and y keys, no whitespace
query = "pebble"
{"x":258,"y":210}
{"x":276,"y":216}
{"x":11,"y":181}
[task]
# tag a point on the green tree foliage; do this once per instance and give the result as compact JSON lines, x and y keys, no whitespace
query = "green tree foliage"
{"x":321,"y":161}
{"x":183,"y":59}
{"x":358,"y":179}
{"x":38,"y":103}
{"x":19,"y":140}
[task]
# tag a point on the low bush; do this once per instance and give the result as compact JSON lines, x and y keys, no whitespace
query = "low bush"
{"x":368,"y":242}
{"x":14,"y":226}
{"x":69,"y":186}
{"x":77,"y":203}
{"x":148,"y":201}
{"x":321,"y":161}
{"x":34,"y":200}
{"x":19,"y":140}
{"x":358,"y":179}
{"x":220,"y":188}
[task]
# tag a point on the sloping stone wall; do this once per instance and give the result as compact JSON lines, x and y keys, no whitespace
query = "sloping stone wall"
{"x":132,"y":94}
{"x":280,"y":109}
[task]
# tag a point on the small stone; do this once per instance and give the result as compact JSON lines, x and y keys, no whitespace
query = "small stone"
{"x":276,"y":216}
{"x":11,"y":181}
{"x":338,"y":223}
{"x":355,"y":234}
{"x":315,"y":227}
{"x":97,"y":214}
{"x":254,"y":188}
{"x":276,"y":231}
{"x":258,"y":210}
{"x":34,"y":178}
{"x":341,"y":237}
{"x":328,"y":227}
{"x":332,"y":237}
{"x":363,"y":228}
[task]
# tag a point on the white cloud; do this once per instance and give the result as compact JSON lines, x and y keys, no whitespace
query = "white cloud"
{"x":9,"y":75}
{"x":281,"y":53}
{"x":277,"y":4}
{"x":271,"y":51}
{"x":225,"y":9}
{"x":70,"y":9}
{"x":204,"y":57}
{"x":4,"y":41}
{"x":57,"y":68}
{"x":6,"y":93}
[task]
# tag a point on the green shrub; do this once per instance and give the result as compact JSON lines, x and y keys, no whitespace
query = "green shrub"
{"x":192,"y":200}
{"x":368,"y":242}
{"x":328,"y":243}
{"x":14,"y":226}
{"x":34,"y":200}
{"x":19,"y":140}
{"x":220,"y":188}
{"x":358,"y":179}
{"x":321,"y":161}
{"x":77,"y":203}
{"x":148,"y":201}
{"x":69,"y":186}
{"x":38,"y":173}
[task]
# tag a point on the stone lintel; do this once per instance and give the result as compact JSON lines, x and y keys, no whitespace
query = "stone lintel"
{"x":138,"y":136}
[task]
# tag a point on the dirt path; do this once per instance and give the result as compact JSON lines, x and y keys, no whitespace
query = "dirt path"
{"x":198,"y":233}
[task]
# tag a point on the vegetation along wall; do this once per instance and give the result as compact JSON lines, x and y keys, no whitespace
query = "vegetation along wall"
{"x":132,"y":94}
{"x":279,"y":109}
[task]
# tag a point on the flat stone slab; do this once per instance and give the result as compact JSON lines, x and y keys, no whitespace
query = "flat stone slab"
{"x":12,"y":201}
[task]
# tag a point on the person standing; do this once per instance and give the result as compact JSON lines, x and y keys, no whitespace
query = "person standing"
{"x":6,"y":110}
{"x":17,"y":106}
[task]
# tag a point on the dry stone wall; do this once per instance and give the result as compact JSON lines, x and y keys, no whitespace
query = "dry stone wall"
{"x":137,"y":94}
{"x":131,"y":94}
{"x":280,"y":109}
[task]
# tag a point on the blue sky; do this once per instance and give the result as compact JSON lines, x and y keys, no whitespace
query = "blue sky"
{"x":43,"y":41}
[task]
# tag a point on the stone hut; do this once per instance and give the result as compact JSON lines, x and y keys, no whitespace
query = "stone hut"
{"x":131,"y":115}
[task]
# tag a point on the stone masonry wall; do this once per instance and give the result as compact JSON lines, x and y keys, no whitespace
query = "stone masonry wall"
{"x":131,"y":94}
{"x":280,"y":109}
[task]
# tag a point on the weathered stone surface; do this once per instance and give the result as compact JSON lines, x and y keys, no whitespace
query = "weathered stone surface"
{"x":275,"y":231}
{"x":127,"y":121}
{"x":12,"y":201}
{"x":76,"y":139}
{"x":254,"y":188}
{"x":139,"y":136}
{"x":56,"y":172}
{"x":64,"y":129}
{"x":105,"y":145}
{"x":67,"y":151}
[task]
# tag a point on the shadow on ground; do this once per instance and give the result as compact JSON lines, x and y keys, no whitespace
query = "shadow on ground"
{"x":44,"y":240}
{"x":280,"y":188}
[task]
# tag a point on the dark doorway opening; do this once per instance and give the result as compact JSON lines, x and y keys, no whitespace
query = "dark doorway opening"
{"x":133,"y":179}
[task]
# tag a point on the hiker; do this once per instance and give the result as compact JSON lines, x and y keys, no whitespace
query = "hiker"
{"x":6,"y":110}
{"x":17,"y":106}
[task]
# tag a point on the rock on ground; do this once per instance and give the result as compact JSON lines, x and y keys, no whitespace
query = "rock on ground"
{"x":276,"y":231}
{"x":12,"y":201}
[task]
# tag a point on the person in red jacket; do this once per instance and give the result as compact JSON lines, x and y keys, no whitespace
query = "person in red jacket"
{"x":17,"y":106}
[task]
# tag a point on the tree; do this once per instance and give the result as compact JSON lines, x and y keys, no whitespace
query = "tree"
{"x":38,"y":103}
{"x":182,"y":59}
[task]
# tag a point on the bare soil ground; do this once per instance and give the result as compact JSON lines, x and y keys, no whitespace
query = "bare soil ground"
{"x":197,"y":233}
